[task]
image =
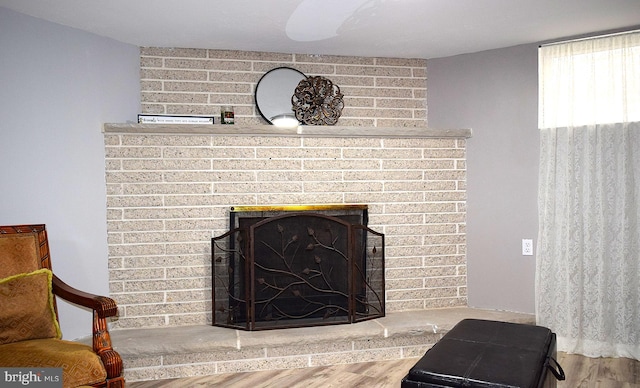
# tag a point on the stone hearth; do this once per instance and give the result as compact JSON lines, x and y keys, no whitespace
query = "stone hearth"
{"x":172,"y":352}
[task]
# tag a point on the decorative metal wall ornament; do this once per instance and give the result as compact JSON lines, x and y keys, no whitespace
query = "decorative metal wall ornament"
{"x":317,"y":101}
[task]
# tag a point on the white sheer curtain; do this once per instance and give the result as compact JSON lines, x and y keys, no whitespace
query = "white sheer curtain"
{"x":588,"y":251}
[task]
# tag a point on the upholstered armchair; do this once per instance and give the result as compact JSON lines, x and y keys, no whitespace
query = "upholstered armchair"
{"x":30,"y":336}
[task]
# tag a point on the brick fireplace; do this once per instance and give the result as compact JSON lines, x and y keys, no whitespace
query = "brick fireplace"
{"x":170,"y":191}
{"x":169,"y":188}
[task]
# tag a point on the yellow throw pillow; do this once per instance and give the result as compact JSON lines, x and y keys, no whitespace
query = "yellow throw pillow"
{"x":26,"y":307}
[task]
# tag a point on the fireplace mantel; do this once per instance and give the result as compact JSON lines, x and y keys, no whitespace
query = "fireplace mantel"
{"x":301,"y":131}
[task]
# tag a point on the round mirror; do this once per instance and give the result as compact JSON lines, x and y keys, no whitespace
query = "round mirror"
{"x":273,"y":95}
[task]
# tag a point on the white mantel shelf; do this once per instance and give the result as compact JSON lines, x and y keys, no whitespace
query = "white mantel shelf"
{"x":301,"y":131}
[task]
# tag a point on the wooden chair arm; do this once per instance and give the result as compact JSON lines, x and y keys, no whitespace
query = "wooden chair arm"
{"x":102,"y":346}
{"x":102,"y":305}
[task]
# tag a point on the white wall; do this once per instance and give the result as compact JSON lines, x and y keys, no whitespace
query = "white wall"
{"x":57,"y":87}
{"x":494,"y":93}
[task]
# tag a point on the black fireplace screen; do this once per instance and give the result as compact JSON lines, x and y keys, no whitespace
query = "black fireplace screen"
{"x":277,"y":269}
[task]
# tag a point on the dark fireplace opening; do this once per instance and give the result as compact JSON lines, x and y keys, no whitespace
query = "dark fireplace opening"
{"x":297,"y":266}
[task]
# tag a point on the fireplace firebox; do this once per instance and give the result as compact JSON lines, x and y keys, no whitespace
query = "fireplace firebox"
{"x":296,"y":266}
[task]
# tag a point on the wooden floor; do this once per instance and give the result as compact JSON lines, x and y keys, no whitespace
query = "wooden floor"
{"x":581,"y":372}
{"x":599,"y":372}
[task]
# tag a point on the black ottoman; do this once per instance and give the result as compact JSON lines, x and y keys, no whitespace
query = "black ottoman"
{"x":481,"y":353}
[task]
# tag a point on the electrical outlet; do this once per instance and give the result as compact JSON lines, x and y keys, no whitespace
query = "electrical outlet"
{"x":527,"y":247}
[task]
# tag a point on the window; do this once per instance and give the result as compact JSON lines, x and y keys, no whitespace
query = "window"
{"x":590,"y":81}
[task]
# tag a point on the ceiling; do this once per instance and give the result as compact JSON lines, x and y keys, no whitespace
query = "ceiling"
{"x":369,"y":28}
